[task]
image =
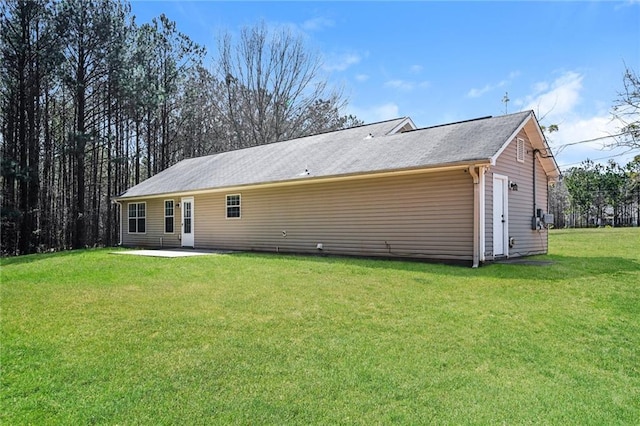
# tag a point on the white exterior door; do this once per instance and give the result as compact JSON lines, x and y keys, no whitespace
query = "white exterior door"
{"x":500,"y":216}
{"x":187,"y":222}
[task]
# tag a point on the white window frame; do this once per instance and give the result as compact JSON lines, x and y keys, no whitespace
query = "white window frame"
{"x":136,"y":218}
{"x":520,"y":150}
{"x":228,"y":206}
{"x":172,"y":216}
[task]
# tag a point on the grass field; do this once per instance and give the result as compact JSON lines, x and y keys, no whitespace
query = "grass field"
{"x":89,"y":337}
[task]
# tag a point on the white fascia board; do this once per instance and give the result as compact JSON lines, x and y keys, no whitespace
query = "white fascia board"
{"x":509,"y":139}
{"x":407,"y":120}
{"x":548,"y":158}
{"x":308,"y":180}
{"x":538,"y":141}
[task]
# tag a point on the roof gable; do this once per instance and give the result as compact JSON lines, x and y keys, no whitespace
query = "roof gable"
{"x":539,"y":143}
{"x":375,"y":148}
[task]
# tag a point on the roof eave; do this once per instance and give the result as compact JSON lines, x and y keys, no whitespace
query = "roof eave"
{"x":547,"y":160}
{"x":316,"y":179}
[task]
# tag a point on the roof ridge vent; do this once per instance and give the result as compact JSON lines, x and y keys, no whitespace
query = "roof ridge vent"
{"x":458,"y":122}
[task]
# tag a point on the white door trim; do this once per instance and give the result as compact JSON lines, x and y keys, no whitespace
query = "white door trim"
{"x":187,"y":227}
{"x":500,"y":217}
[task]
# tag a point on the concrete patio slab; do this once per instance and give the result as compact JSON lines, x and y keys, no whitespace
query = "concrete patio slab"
{"x":172,"y":252}
{"x":525,"y":261}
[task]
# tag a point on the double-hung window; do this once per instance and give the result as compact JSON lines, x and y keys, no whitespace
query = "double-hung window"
{"x":137,"y":218}
{"x":233,"y":206}
{"x":168,"y":216}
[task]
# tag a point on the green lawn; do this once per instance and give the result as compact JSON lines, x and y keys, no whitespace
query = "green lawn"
{"x":90,"y":337}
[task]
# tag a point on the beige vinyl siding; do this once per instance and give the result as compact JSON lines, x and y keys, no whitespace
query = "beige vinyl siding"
{"x":154,"y":235}
{"x":527,"y":241}
{"x":428,"y":215}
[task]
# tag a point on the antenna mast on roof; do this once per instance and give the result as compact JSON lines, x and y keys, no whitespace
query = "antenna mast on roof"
{"x":506,"y":102}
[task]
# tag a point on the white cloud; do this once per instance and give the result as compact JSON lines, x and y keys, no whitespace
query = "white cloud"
{"x":416,"y":69}
{"x":625,"y":4}
{"x":406,"y":85}
{"x":584,"y":129}
{"x":556,"y":102}
{"x":541,"y":86}
{"x":362,"y":77}
{"x":386,"y":111}
{"x":317,"y":24}
{"x":375,"y":113}
{"x":557,"y":98}
{"x":582,"y":138}
{"x":399,"y":84}
{"x":341,"y":62}
{"x":476,"y":93}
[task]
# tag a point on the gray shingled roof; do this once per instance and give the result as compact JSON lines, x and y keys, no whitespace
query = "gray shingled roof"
{"x":339,"y":153}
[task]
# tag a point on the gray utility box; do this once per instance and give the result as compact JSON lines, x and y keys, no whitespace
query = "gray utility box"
{"x":535,"y":223}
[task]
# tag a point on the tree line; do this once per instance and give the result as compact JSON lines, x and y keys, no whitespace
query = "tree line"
{"x":593,"y":194}
{"x":92,"y":103}
{"x":597,"y":195}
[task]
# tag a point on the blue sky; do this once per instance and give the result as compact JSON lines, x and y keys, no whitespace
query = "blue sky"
{"x":439,"y":62}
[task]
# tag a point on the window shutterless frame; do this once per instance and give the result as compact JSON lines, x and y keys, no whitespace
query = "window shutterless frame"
{"x":169,"y":216}
{"x":137,"y":213}
{"x":233,"y":206}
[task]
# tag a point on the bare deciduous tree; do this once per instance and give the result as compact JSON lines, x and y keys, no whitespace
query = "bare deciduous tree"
{"x":273,"y":88}
{"x":626,"y":110}
{"x":91,"y":104}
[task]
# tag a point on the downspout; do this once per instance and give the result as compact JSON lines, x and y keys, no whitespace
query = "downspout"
{"x":482,"y":206}
{"x":120,"y":224}
{"x":535,"y":206}
{"x":476,"y":216}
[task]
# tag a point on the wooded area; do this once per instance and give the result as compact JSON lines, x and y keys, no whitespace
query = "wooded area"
{"x":605,"y":195}
{"x":92,"y":103}
{"x":596,"y":195}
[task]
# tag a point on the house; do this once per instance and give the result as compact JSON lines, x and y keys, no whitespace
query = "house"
{"x":470,"y":191}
